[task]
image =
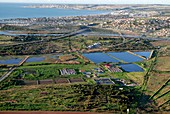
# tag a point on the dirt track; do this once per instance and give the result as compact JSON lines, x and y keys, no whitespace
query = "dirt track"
{"x":42,"y":112}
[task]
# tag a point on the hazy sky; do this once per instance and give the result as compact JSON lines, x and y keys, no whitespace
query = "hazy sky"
{"x":93,"y":1}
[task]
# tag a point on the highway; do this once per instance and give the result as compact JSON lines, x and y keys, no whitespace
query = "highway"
{"x":57,"y":38}
{"x":81,"y":31}
{"x":126,"y":36}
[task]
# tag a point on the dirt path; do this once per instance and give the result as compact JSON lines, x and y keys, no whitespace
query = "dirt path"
{"x":43,"y":112}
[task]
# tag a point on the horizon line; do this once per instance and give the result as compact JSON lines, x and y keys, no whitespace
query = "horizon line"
{"x":83,"y":3}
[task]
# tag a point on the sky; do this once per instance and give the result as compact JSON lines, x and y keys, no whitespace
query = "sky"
{"x":92,"y":1}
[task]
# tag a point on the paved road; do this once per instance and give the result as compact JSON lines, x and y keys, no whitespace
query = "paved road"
{"x":124,"y":42}
{"x":7,"y":74}
{"x":126,"y":36}
{"x":124,"y":39}
{"x":57,"y":38}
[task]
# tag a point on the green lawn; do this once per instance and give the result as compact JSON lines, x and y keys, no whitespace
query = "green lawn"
{"x":50,"y":71}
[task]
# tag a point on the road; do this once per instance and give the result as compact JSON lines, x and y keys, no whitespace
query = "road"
{"x":7,"y":74}
{"x":124,"y":39}
{"x":57,"y":38}
{"x":81,"y":31}
{"x":61,"y":37}
{"x":12,"y":69}
{"x":127,"y":36}
{"x":124,"y":42}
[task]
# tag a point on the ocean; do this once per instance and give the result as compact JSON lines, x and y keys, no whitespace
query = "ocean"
{"x":16,"y":10}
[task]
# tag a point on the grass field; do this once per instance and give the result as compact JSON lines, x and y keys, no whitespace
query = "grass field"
{"x":2,"y":73}
{"x":70,"y":98}
{"x":50,"y":71}
{"x":137,"y":77}
{"x":156,"y":81}
{"x":160,"y":43}
{"x":158,"y":77}
{"x":163,"y":64}
{"x":5,"y":42}
{"x":5,"y":38}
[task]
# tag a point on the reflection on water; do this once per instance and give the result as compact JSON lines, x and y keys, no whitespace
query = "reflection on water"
{"x":35,"y":59}
{"x":144,"y":54}
{"x":100,"y":57}
{"x":11,"y":61}
{"x":131,"y":68}
{"x":125,"y":56}
{"x":11,"y":33}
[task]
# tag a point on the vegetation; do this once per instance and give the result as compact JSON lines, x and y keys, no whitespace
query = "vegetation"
{"x":73,"y":98}
{"x":28,"y":38}
{"x":151,"y":91}
{"x":158,"y":82}
{"x":71,"y":44}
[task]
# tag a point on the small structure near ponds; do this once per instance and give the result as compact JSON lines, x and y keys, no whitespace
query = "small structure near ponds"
{"x":104,"y":81}
{"x":67,"y":71}
{"x":112,"y":68}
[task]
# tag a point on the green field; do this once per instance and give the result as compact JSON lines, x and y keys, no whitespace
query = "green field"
{"x":51,"y":71}
{"x":71,"y":98}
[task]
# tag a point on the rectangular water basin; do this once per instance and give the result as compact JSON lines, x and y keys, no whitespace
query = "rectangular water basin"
{"x":131,"y":68}
{"x":143,"y":54}
{"x":100,"y":57}
{"x":35,"y":59}
{"x":125,"y":56}
{"x":11,"y":61}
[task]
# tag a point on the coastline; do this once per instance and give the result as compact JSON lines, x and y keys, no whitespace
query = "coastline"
{"x":17,"y":11}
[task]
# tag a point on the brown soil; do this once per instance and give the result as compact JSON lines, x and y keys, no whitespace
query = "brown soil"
{"x":163,"y":63}
{"x":42,"y":112}
{"x":160,"y":43}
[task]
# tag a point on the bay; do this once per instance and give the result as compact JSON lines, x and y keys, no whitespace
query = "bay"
{"x":17,"y":10}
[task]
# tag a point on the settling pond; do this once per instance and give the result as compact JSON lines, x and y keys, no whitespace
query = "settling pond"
{"x":7,"y":60}
{"x":125,"y":56}
{"x":100,"y":57}
{"x":35,"y":59}
{"x":120,"y":57}
{"x":11,"y":61}
{"x":131,"y":68}
{"x":144,"y":54}
{"x":116,"y":57}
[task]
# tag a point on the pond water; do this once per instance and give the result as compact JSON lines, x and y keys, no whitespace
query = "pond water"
{"x":131,"y":68}
{"x":144,"y":54}
{"x":35,"y":59}
{"x":100,"y":57}
{"x":12,"y":33}
{"x":11,"y":61}
{"x":125,"y":56}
